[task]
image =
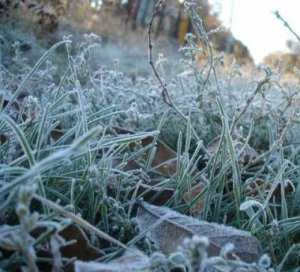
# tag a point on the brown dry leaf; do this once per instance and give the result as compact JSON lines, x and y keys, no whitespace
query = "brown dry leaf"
{"x":129,"y":166}
{"x":3,"y":139}
{"x":57,"y":133}
{"x":253,"y":187}
{"x":81,"y":249}
{"x":175,"y":227}
{"x":164,"y":163}
{"x":257,"y":186}
{"x":148,"y":189}
{"x":132,"y":260}
{"x":77,"y":244}
{"x":155,"y":195}
{"x":165,"y":159}
{"x":5,"y":99}
{"x":247,"y":152}
{"x":192,"y":194}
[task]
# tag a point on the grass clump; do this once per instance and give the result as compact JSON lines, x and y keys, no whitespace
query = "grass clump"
{"x":66,"y":160}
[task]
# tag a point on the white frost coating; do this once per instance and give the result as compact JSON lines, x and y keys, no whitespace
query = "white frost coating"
{"x":132,"y":260}
{"x":171,"y":232}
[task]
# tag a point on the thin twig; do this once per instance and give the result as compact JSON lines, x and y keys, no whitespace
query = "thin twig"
{"x":249,"y":101}
{"x":165,"y":93}
{"x":201,"y":32}
{"x":78,"y":220}
{"x":286,"y":24}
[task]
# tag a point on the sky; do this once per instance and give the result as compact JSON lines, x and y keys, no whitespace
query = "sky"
{"x":256,"y":26}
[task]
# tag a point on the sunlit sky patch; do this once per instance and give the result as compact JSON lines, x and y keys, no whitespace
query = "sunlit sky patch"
{"x":254,"y":23}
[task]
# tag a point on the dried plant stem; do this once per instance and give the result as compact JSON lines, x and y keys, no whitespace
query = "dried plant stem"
{"x":165,"y":93}
{"x":78,"y":220}
{"x":200,"y":30}
{"x":286,"y":24}
{"x":249,"y":101}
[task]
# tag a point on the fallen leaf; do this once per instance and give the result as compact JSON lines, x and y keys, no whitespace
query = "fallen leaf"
{"x":165,"y":158}
{"x":76,"y":245}
{"x":165,"y":164}
{"x":135,"y":260}
{"x":175,"y":227}
{"x":246,"y":153}
{"x":81,"y":249}
{"x":155,"y":195}
{"x":130,"y":165}
{"x":259,"y":186}
{"x":192,"y":194}
{"x":5,"y":99}
{"x":132,"y":260}
{"x":3,"y":139}
{"x":56,"y":133}
{"x":149,"y":189}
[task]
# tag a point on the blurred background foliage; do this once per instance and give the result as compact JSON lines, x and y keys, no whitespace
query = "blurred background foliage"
{"x":125,"y":20}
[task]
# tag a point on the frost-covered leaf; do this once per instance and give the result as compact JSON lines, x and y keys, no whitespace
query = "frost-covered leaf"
{"x":132,"y":260}
{"x":168,"y":229}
